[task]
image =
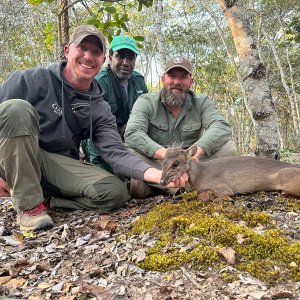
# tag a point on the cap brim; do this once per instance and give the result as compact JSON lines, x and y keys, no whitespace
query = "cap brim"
{"x":116,"y":48}
{"x":78,"y":40}
{"x":178,"y":66}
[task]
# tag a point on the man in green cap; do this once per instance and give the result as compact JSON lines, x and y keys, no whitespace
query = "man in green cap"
{"x":121,"y":84}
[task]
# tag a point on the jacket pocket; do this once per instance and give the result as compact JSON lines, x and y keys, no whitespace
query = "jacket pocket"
{"x":158,"y":132}
{"x":190,"y":133}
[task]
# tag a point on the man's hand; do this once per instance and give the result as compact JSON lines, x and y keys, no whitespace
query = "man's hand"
{"x":4,"y":189}
{"x":199,"y":152}
{"x":160,"y":153}
{"x":180,"y":182}
{"x":153,"y":175}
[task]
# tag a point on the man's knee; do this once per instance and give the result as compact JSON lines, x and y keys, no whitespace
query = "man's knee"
{"x":228,"y":149}
{"x":18,"y":118}
{"x":108,"y":193}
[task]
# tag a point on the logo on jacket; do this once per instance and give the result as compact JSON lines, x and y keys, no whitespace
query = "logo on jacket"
{"x":56,"y":109}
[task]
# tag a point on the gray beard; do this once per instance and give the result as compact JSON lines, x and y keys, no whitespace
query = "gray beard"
{"x":171,"y":99}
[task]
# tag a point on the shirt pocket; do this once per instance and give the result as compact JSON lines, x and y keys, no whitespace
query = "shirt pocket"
{"x":158,"y":132}
{"x":190,"y":133}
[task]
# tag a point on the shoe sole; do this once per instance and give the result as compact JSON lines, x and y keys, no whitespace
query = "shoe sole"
{"x":33,"y":228}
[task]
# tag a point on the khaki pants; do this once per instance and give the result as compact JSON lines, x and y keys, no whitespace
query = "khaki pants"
{"x":32,"y":172}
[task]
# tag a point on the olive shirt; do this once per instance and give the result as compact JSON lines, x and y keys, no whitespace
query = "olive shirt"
{"x":152,"y":126}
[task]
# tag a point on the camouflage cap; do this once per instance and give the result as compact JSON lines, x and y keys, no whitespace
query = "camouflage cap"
{"x":83,"y":31}
{"x":178,"y":62}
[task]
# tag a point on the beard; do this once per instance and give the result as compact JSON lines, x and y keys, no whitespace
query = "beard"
{"x":171,"y":99}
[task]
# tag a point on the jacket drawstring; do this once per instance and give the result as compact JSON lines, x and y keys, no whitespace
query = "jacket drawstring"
{"x":63,"y":111}
{"x":91,"y":121}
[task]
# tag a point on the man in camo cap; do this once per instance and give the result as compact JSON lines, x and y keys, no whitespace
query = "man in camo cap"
{"x":177,"y":115}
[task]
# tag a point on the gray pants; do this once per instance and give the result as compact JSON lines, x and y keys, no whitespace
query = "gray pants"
{"x":26,"y":167}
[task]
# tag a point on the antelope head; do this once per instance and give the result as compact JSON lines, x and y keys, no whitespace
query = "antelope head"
{"x":175,"y":163}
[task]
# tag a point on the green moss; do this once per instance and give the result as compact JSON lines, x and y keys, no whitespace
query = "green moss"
{"x":164,"y":262}
{"x":254,"y":218}
{"x":192,"y":232}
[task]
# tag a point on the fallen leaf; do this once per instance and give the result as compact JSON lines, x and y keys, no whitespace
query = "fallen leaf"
{"x":92,"y":288}
{"x":51,"y":248}
{"x":105,"y":222}
{"x":4,"y":279}
{"x":65,"y":232}
{"x":58,"y":287}
{"x":140,"y":255}
{"x":100,"y":236}
{"x":15,"y":283}
{"x":11,"y":241}
{"x":240,"y":237}
{"x":44,"y":285}
{"x":29,"y":234}
{"x":80,"y":242}
{"x":229,"y":254}
{"x":169,"y":277}
{"x":67,"y":298}
{"x":165,"y":289}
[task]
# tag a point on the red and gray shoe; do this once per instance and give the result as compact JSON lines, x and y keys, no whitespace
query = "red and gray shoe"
{"x":35,"y":218}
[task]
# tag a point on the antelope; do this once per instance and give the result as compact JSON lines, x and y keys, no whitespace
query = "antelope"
{"x":229,"y":176}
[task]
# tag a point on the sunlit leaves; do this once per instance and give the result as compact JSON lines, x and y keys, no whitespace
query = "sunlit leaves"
{"x":49,"y":37}
{"x":38,"y":2}
{"x":139,"y":38}
{"x":110,"y":9}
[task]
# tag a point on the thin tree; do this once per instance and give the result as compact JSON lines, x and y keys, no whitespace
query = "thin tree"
{"x":259,"y":100}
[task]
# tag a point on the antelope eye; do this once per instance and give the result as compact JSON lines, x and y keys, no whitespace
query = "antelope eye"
{"x":176,"y":163}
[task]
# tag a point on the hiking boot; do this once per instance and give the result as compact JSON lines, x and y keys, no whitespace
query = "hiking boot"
{"x":139,"y":189}
{"x":35,"y":218}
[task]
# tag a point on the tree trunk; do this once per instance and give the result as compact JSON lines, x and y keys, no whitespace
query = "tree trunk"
{"x":159,"y":34}
{"x":64,"y":23}
{"x":259,"y":101}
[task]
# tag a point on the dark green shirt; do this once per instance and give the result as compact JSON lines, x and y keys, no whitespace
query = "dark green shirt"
{"x":136,"y":87}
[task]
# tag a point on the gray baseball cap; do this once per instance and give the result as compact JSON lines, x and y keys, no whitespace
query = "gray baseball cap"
{"x":83,"y":31}
{"x":178,"y":62}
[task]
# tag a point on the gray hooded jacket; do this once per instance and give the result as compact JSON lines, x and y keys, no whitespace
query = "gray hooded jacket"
{"x":92,"y":112}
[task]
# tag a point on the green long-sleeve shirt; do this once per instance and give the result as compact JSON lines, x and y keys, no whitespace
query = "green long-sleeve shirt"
{"x":152,"y":126}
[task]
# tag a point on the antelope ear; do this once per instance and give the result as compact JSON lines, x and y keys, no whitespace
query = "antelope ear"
{"x":191,"y":151}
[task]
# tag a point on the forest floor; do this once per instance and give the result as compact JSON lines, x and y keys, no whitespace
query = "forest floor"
{"x":88,"y":255}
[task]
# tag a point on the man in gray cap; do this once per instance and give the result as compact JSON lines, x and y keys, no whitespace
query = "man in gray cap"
{"x":176,"y":115}
{"x":45,"y":113}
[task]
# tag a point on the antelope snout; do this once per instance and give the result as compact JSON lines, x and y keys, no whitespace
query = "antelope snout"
{"x":163,"y":182}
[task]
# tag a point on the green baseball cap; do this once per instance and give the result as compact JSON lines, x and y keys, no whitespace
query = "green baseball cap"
{"x":124,"y":42}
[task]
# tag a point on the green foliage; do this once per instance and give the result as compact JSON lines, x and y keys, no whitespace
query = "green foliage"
{"x":112,"y":19}
{"x":193,"y":232}
{"x":38,"y":2}
{"x":49,"y":37}
{"x":115,"y":14}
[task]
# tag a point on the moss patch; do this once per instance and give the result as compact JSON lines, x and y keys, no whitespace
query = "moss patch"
{"x":193,"y":232}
